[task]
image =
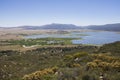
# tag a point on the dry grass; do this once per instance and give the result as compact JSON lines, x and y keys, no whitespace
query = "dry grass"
{"x":21,"y":48}
{"x":17,"y":33}
{"x":10,"y":47}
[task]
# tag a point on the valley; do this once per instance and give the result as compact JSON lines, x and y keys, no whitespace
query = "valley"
{"x":59,"y":40}
{"x":52,"y":54}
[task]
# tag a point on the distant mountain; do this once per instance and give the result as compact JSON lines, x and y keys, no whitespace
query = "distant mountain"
{"x":107,"y":27}
{"x":53,"y":26}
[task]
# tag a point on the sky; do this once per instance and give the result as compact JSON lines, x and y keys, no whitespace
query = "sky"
{"x":40,"y":12}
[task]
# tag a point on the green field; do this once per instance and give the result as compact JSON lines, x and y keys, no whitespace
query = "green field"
{"x":40,"y":41}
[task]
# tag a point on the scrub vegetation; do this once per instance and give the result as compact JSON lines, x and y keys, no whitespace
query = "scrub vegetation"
{"x":62,"y":63}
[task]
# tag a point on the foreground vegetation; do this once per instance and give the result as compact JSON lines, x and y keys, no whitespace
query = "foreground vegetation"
{"x":62,"y":63}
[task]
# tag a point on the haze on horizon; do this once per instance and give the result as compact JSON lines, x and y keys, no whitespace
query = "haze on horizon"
{"x":39,"y":12}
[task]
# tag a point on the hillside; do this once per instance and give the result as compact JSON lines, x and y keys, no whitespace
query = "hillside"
{"x":113,"y":48}
{"x":56,"y":26}
{"x":52,"y":26}
{"x":107,"y":27}
{"x":60,"y":63}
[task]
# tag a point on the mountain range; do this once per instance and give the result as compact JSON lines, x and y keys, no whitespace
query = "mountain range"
{"x":107,"y":27}
{"x":52,"y":26}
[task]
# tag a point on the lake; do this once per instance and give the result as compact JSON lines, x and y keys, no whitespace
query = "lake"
{"x":96,"y":37}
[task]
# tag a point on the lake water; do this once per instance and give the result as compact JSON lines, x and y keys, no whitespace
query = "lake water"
{"x":98,"y":38}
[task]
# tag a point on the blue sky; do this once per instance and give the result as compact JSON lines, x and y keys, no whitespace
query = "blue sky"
{"x":40,"y":12}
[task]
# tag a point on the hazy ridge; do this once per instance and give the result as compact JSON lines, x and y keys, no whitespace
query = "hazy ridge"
{"x":106,"y":27}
